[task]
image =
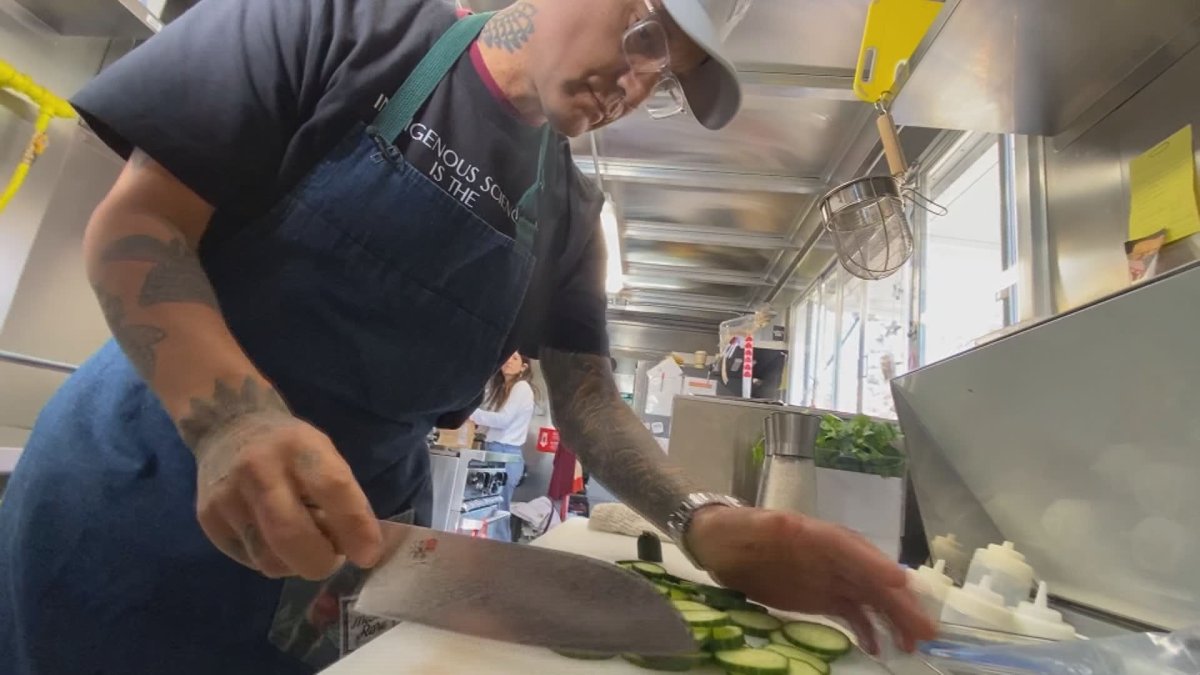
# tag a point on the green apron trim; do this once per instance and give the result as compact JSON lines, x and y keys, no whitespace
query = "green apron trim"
{"x":526,"y":225}
{"x":411,"y":95}
{"x":408,"y":99}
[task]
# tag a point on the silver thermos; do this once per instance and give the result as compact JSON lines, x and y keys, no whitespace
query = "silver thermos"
{"x":789,"y":475}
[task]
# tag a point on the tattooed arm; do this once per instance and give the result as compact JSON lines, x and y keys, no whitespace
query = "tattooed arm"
{"x":272,"y":491}
{"x":158,"y":303}
{"x":609,"y":438}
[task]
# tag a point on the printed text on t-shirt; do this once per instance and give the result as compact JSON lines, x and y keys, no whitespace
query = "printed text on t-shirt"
{"x":456,"y":175}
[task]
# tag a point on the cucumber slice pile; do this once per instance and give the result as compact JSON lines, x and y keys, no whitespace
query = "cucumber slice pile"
{"x":754,"y":623}
{"x":705,"y":618}
{"x":669,"y":663}
{"x":801,"y":668}
{"x":796,"y":654}
{"x":825,"y":641}
{"x":690,"y":606}
{"x":721,"y":620}
{"x":725,"y":638}
{"x":750,"y":661}
{"x":650,"y":570}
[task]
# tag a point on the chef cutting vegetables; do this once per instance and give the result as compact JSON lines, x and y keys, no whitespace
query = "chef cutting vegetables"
{"x":336,"y":219}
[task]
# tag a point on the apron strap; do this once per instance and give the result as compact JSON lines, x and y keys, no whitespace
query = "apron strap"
{"x":526,"y":226}
{"x":403,"y":106}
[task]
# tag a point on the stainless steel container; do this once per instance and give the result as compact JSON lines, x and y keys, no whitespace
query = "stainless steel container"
{"x":789,"y":475}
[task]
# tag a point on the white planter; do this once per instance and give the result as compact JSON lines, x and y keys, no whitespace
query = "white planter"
{"x":871,"y":505}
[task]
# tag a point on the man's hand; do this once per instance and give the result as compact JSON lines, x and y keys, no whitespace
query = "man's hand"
{"x":786,"y":561}
{"x":800,"y":564}
{"x":271,"y":491}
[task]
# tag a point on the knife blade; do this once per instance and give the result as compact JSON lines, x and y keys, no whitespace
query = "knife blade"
{"x":519,"y":594}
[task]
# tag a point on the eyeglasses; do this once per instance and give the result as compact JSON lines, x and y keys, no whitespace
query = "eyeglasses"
{"x":646,"y":50}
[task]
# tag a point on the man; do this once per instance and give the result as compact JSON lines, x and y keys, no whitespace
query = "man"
{"x":337,"y":217}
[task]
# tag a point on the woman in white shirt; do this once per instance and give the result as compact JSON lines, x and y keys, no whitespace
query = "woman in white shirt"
{"x":508,"y":409}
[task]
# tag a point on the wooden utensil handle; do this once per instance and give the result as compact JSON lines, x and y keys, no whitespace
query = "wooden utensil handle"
{"x":897,"y":164}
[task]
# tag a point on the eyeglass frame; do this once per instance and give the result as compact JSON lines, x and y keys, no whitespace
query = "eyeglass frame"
{"x":665,"y":74}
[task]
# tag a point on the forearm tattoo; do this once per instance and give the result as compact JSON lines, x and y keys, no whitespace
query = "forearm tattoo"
{"x":136,"y":340}
{"x":609,"y":438}
{"x":175,"y":275}
{"x":511,"y":28}
{"x":210,"y":418}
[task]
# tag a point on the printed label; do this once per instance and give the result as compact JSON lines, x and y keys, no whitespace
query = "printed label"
{"x":359,"y":629}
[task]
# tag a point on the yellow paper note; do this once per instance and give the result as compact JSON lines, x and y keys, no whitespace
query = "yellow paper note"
{"x":1162,"y":184}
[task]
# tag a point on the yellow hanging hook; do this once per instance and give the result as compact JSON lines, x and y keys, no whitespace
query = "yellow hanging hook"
{"x":49,"y":106}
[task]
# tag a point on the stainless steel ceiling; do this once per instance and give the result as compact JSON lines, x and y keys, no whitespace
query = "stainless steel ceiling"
{"x":713,"y":223}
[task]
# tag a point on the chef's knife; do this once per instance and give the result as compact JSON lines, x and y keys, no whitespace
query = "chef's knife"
{"x":520,"y":594}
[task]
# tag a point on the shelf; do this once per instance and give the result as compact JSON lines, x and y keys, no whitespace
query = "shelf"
{"x":1038,"y":67}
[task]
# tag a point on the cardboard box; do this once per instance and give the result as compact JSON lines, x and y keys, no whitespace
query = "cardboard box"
{"x":457,"y":439}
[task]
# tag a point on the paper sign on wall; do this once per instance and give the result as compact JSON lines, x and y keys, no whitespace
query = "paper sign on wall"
{"x":1162,"y":183}
{"x":663,"y":382}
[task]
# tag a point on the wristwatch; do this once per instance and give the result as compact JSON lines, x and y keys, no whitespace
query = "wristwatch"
{"x":680,"y":519}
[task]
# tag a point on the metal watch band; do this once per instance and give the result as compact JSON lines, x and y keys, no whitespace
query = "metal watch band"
{"x":681,"y":518}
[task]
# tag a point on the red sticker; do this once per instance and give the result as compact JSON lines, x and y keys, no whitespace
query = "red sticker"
{"x":423,"y":548}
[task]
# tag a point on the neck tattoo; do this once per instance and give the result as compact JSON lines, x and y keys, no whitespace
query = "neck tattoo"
{"x":511,"y":28}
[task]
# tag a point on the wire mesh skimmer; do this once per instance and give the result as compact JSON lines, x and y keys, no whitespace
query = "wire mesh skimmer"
{"x":866,"y":216}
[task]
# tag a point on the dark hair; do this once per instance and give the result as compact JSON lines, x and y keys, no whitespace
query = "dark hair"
{"x":498,"y":389}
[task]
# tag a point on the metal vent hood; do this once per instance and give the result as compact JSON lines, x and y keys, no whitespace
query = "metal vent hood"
{"x":1074,"y":438}
{"x":104,"y":18}
{"x":1041,"y":67}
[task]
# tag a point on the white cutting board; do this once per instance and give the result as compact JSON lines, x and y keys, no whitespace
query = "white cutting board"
{"x":411,"y":648}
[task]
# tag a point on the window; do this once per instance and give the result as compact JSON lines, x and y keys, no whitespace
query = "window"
{"x":885,"y":342}
{"x":852,"y":337}
{"x":825,"y":368}
{"x":849,"y":346}
{"x":965,"y":282}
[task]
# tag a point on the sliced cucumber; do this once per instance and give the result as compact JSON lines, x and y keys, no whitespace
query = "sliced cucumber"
{"x":721,"y":601}
{"x":825,"y":641}
{"x":777,"y":638}
{"x":726,"y":638}
{"x":720,"y":598}
{"x":717,"y":590}
{"x":752,"y":607}
{"x":754,"y":623}
{"x":646,"y":569}
{"x":663,"y":590}
{"x":676,"y":593}
{"x":797,"y":654}
{"x":753,"y":662}
{"x":583,"y":656}
{"x":801,"y":668}
{"x":705,"y":618}
{"x":701,"y":636}
{"x":672,"y":663}
{"x":690,"y":606}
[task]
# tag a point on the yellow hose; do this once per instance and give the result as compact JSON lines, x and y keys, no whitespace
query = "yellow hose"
{"x":49,"y":107}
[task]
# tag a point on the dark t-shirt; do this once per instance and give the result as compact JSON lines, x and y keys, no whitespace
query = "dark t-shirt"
{"x":240,"y":99}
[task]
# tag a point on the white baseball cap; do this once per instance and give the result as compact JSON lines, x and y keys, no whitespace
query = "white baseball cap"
{"x":712,"y":90}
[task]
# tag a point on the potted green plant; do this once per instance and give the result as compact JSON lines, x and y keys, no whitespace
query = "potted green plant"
{"x":860,"y":444}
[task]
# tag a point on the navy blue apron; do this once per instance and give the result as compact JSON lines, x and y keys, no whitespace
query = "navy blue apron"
{"x":375,"y":302}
